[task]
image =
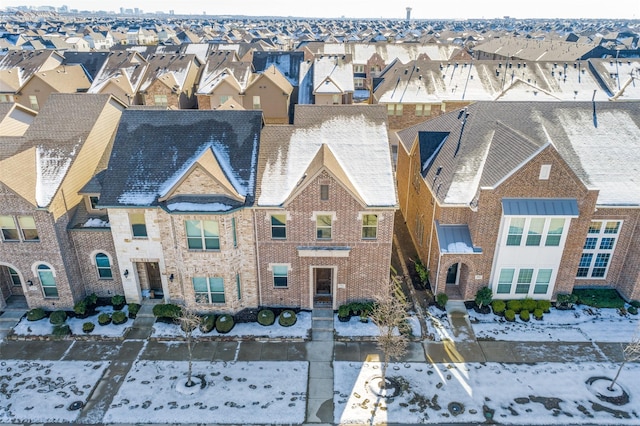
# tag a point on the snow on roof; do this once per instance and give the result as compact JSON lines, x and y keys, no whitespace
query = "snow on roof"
{"x":604,"y":153}
{"x":359,"y":144}
{"x":335,"y":67}
{"x":52,"y":165}
{"x":198,"y":207}
{"x":95,"y":222}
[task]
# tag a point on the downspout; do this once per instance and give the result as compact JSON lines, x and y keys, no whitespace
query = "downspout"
{"x":433,"y":216}
{"x":255,"y":236}
{"x":435,"y":291}
{"x":406,"y":202}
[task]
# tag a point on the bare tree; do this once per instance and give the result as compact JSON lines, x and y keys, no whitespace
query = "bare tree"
{"x":631,"y":353}
{"x":189,"y":321}
{"x":390,"y":315}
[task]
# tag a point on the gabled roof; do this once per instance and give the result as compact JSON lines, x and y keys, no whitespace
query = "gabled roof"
{"x":273,"y":75}
{"x":15,"y":119}
{"x":122,"y":68}
{"x":153,"y":150}
{"x":489,"y":141}
{"x":37,"y":167}
{"x":348,"y":141}
{"x":337,"y":70}
{"x":175,"y":65}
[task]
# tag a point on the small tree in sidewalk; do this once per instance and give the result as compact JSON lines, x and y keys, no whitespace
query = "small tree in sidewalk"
{"x":389,"y":314}
{"x":189,"y":321}
{"x":631,"y":353}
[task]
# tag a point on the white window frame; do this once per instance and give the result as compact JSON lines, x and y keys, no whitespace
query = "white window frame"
{"x":279,"y":266}
{"x":368,"y":226}
{"x":94,"y":257}
{"x":133,"y":220}
{"x":160,"y":99}
{"x":210,"y":293}
{"x":10,"y":220}
{"x":595,"y":251}
{"x":532,"y":235}
{"x":203,"y":238}
{"x":316,"y":216}
{"x":48,"y":268}
{"x":518,"y":273}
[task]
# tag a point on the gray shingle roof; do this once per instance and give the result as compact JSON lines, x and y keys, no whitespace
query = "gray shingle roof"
{"x":495,"y":139}
{"x":153,"y":149}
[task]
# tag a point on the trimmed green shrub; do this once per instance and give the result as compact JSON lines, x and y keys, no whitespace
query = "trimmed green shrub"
{"x":266,"y":317}
{"x":207,"y":323}
{"x":88,"y":327}
{"x":510,"y":315}
{"x":524,"y":315}
{"x":498,"y":307}
{"x":118,"y":301}
{"x":60,"y":330}
{"x":632,"y":310}
{"x":104,"y":319}
{"x":484,"y":296}
{"x":36,"y":314}
{"x":538,"y":313}
{"x":287,"y":318}
{"x":635,"y":303}
{"x":167,"y":310}
{"x":224,"y":323}
{"x":514,"y":305}
{"x":133,"y":309}
{"x":529,"y":305}
{"x":442,"y":299}
{"x":57,"y":317}
{"x":91,"y":300}
{"x":544,"y":305}
{"x":119,"y":317}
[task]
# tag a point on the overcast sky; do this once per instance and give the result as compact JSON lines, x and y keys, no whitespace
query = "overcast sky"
{"x":422,"y":9}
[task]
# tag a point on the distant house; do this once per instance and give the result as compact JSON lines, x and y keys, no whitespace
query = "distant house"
{"x":332,"y":80}
{"x":121,"y":75}
{"x":271,"y":92}
{"x":17,"y":67}
{"x":64,"y":79}
{"x":223,"y":77}
{"x":170,"y":81}
{"x":531,"y":199}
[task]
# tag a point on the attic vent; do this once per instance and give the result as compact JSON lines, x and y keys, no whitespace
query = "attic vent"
{"x":406,"y":72}
{"x":500,"y":65}
{"x":439,"y":170}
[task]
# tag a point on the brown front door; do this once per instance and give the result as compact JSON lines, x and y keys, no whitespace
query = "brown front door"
{"x":153,"y":275}
{"x":323,"y":282}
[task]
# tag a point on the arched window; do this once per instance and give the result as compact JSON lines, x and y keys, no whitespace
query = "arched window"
{"x":104,"y":266}
{"x":48,"y":281}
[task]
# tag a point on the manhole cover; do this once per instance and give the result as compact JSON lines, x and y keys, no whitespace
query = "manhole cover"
{"x":75,"y":405}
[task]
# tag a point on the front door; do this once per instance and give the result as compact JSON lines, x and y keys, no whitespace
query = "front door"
{"x":323,"y":282}
{"x":452,"y":274}
{"x":153,"y":275}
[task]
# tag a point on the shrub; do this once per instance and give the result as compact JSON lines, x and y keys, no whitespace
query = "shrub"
{"x":287,"y":318}
{"x":498,"y":307}
{"x":442,"y":299}
{"x":599,"y":297}
{"x":88,"y":327}
{"x":60,"y":330}
{"x":91,"y":300}
{"x":344,"y":313}
{"x":524,"y":315}
{"x":632,"y":310}
{"x":422,"y":271}
{"x":635,"y":303}
{"x":119,"y":317}
{"x":224,"y":323}
{"x":538,"y":313}
{"x":57,"y":317}
{"x":544,"y":305}
{"x":207,"y":323}
{"x":104,"y":319}
{"x":566,"y":300}
{"x":529,"y":305}
{"x":167,"y":310}
{"x":80,"y":308}
{"x":133,"y":309}
{"x":514,"y":305}
{"x":510,"y":315}
{"x":484,"y":296}
{"x":266,"y":317}
{"x":36,"y":314}
{"x":118,"y":301}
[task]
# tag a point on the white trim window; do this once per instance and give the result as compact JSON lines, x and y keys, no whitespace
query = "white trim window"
{"x":369,"y":226}
{"x":280,"y":276}
{"x":103,"y":266}
{"x":323,"y":226}
{"x":47,"y":281}
{"x":529,"y":282}
{"x":25,"y":230}
{"x":208,"y":289}
{"x":202,"y":235}
{"x":598,"y":249}
{"x":279,"y":226}
{"x":537,"y":231}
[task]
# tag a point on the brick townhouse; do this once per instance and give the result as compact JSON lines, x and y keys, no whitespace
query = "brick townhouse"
{"x":530,"y":199}
{"x":325,"y":207}
{"x":41,"y":175}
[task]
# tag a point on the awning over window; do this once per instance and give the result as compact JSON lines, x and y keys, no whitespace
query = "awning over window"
{"x":455,"y":239}
{"x":540,"y":207}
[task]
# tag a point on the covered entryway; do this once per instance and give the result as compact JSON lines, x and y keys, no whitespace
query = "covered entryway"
{"x":323,"y":286}
{"x":149,"y":278}
{"x":10,"y":282}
